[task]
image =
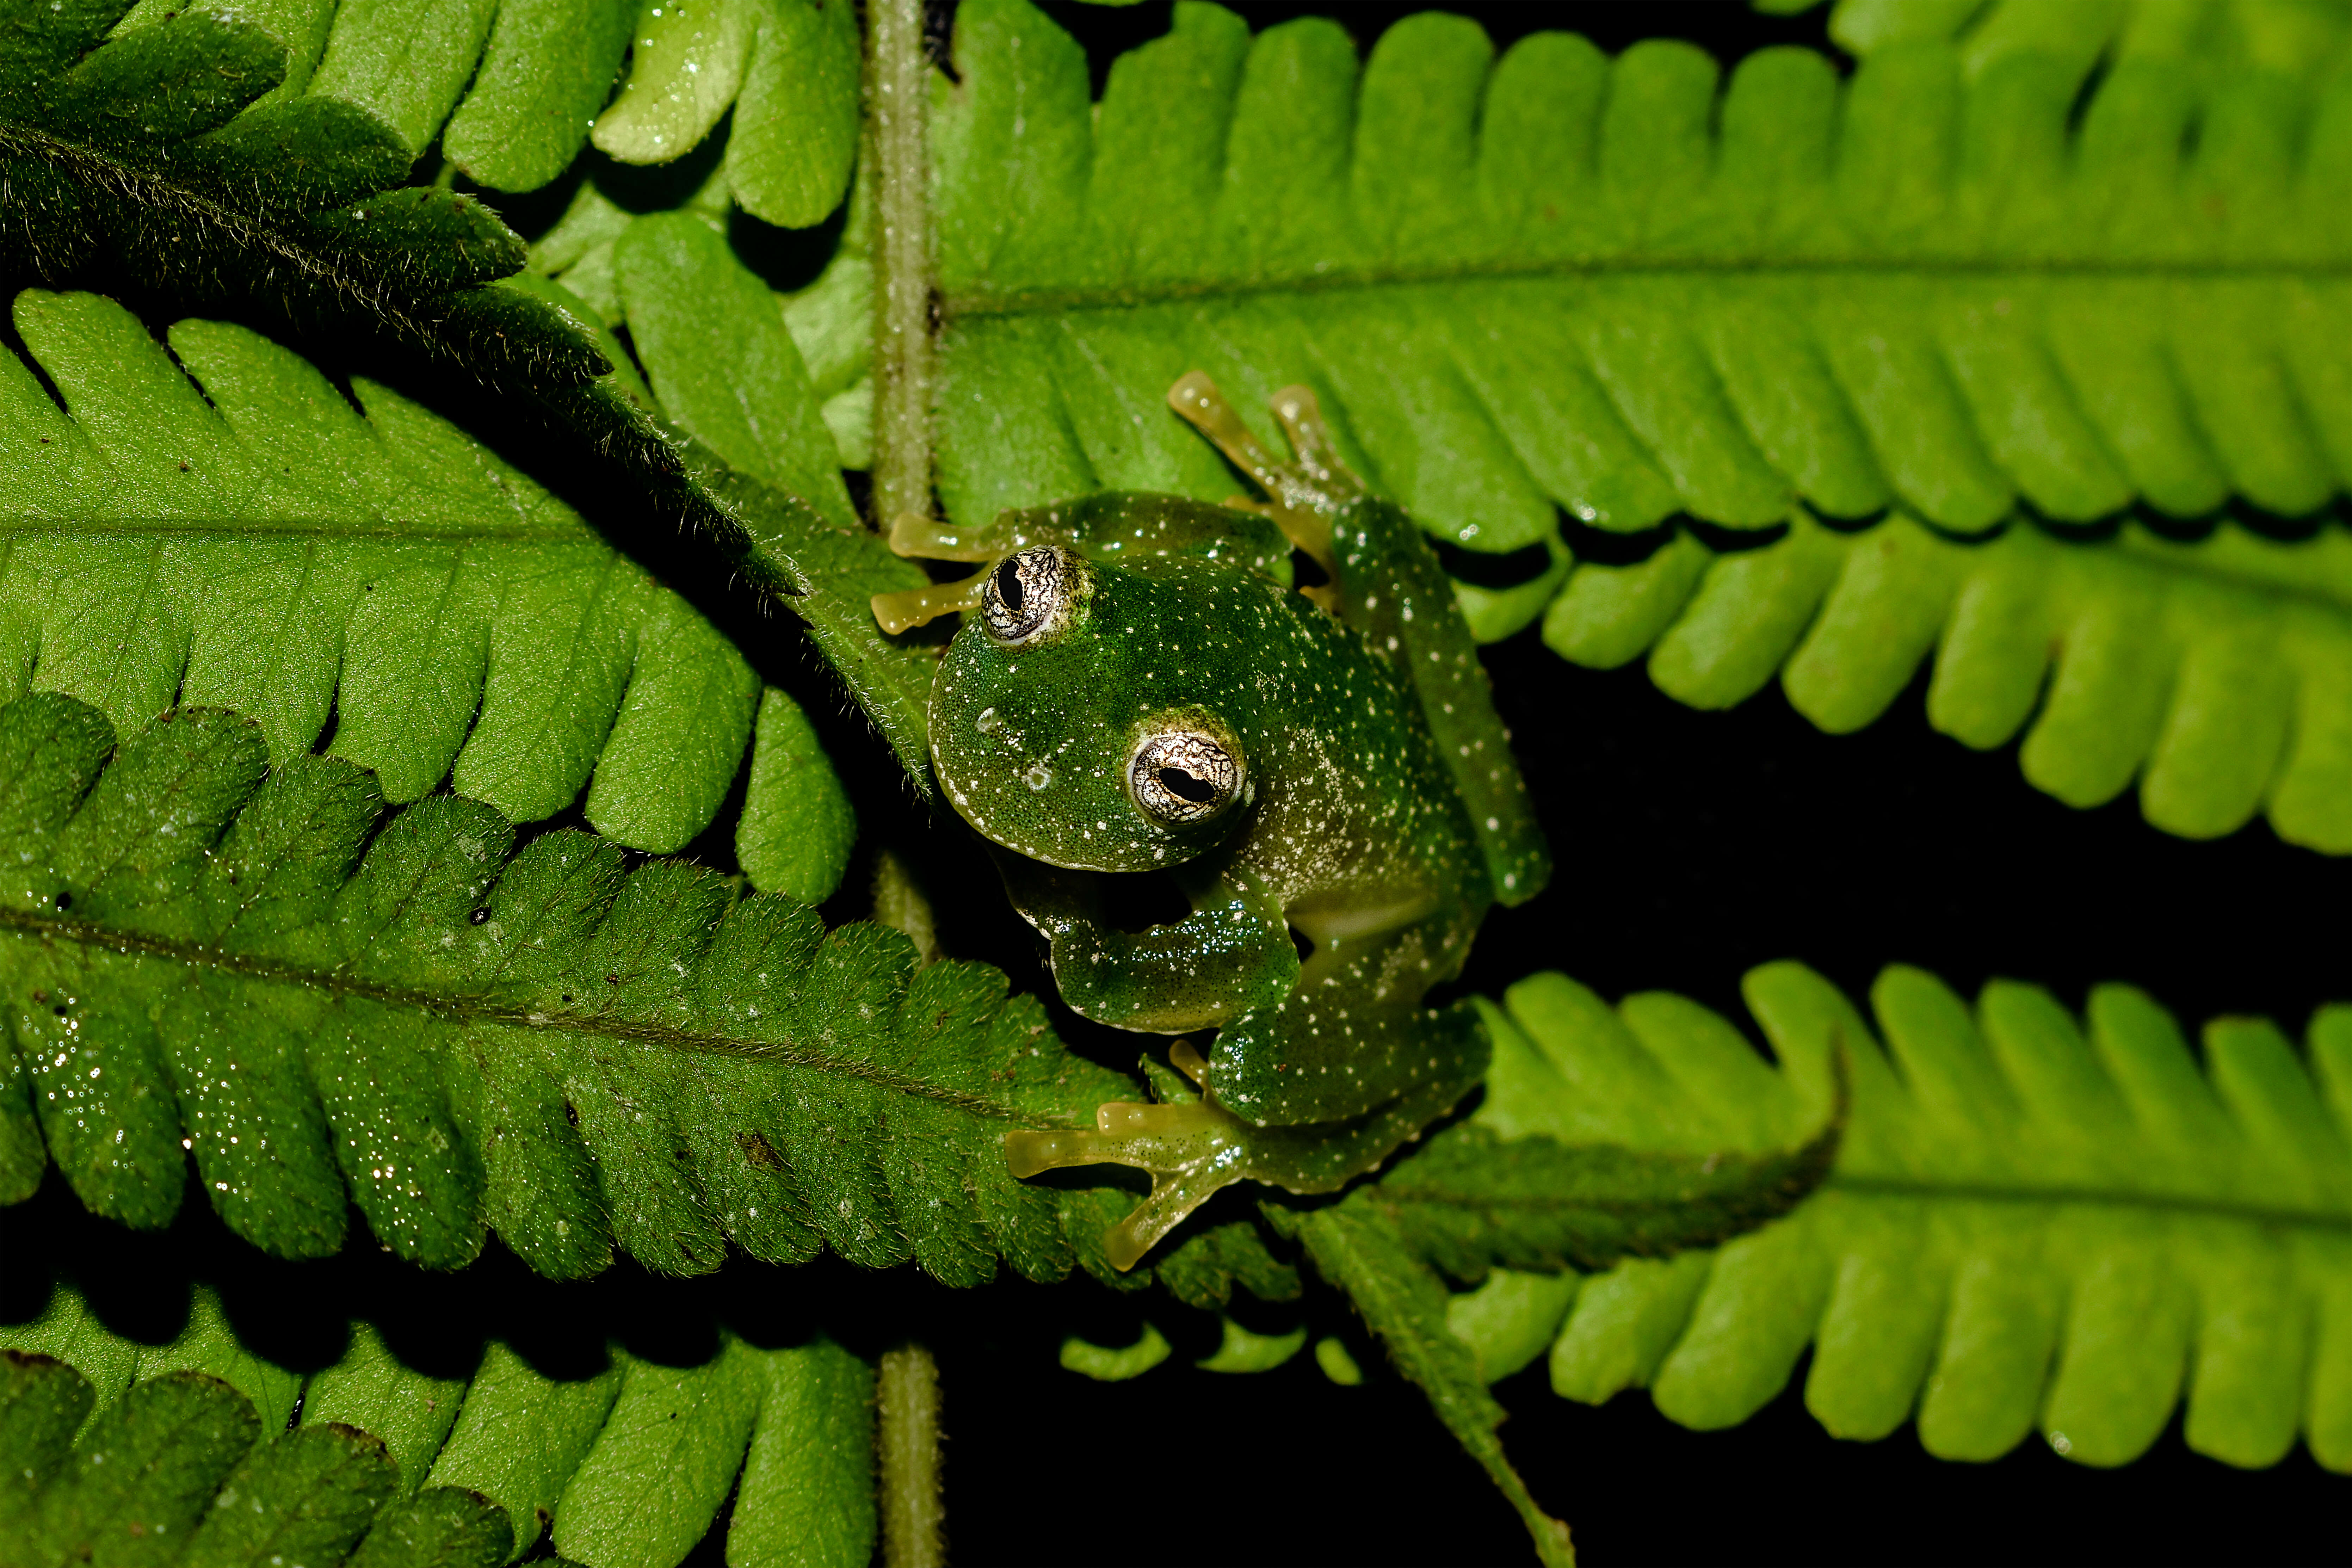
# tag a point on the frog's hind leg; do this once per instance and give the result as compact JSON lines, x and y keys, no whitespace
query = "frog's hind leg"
{"x":1195,"y":1149}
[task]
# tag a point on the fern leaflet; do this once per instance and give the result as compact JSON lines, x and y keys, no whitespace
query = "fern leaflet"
{"x":2216,"y":675}
{"x":141,"y":151}
{"x":219,"y":525}
{"x":329,"y":1008}
{"x":143,"y":154}
{"x":191,"y":1450}
{"x":2032,"y":1221}
{"x":1546,"y":282}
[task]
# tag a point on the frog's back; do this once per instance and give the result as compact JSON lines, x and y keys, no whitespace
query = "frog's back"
{"x":1356,"y":797}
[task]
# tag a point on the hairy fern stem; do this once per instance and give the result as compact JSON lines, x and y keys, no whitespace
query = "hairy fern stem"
{"x":896,"y":93}
{"x":913,"y":1519}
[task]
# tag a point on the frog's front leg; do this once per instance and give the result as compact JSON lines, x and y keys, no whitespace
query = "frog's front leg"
{"x":1194,"y":1148}
{"x":1230,"y":956}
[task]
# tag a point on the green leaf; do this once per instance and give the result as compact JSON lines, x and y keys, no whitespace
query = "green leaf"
{"x":1115,"y":1364}
{"x":513,"y":89}
{"x":404,"y":60}
{"x":1240,"y":1351}
{"x":285,"y":205}
{"x":2296,"y":40}
{"x":228,"y":527}
{"x":547,"y":68}
{"x":2212,"y":674}
{"x":371,"y":1390}
{"x":631,"y":1463}
{"x":2032,"y":1221}
{"x":303,"y":1496}
{"x":521,"y":1436}
{"x":715,"y":347}
{"x":443,"y":1528}
{"x":797,"y":826}
{"x":663,"y":1462}
{"x":825,"y":573}
{"x":141,"y":1478}
{"x":795,"y":133}
{"x":807,"y":1491}
{"x":686,"y":63}
{"x":1472,"y":1200}
{"x":43,"y":1401}
{"x":1511,"y":1318}
{"x":1592,"y":291}
{"x":139,"y":153}
{"x":330,"y":1008}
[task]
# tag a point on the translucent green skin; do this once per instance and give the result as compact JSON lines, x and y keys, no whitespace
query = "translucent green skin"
{"x":1379,"y":813}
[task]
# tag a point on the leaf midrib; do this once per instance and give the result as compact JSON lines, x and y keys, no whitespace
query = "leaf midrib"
{"x":313,"y":530}
{"x":148,"y":189}
{"x":459,"y":1010}
{"x":2097,"y":1197}
{"x":982,"y":304}
{"x":1935,"y":1192}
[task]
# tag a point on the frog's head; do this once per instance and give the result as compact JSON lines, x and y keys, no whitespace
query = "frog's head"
{"x":1076,"y":718}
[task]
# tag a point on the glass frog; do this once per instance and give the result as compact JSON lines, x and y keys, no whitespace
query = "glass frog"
{"x":1138,"y":688}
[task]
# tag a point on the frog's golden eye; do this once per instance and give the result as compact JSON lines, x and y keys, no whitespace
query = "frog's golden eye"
{"x":1182,"y":776}
{"x":1029,"y":594}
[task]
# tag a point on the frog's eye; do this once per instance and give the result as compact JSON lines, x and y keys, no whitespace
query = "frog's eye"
{"x":1027,"y":595}
{"x":1182,"y":776}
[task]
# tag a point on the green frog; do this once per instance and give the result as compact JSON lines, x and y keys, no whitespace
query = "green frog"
{"x":1142,"y":688}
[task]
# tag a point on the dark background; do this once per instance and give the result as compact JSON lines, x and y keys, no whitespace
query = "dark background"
{"x":1691,"y":847}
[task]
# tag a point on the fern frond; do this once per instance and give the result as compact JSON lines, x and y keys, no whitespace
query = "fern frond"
{"x":513,"y":90}
{"x":2292,"y":40}
{"x":1619,"y":287}
{"x":139,"y":156}
{"x":218,"y":525}
{"x":768,"y":393}
{"x":140,"y":152}
{"x":328,"y":1007}
{"x":186,"y":1450}
{"x":2216,"y":675}
{"x":2032,"y":1224}
{"x":1404,"y":1301}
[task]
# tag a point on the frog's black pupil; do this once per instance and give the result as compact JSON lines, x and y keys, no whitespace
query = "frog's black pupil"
{"x":1191,"y":787}
{"x":1008,"y":586}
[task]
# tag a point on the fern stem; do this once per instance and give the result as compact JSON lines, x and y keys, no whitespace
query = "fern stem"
{"x":913,"y":1520}
{"x":896,"y":89}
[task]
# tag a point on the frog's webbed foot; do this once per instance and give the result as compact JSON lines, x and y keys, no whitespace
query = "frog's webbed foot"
{"x":1193,"y":1149}
{"x":1302,"y":495}
{"x":1190,"y":1150}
